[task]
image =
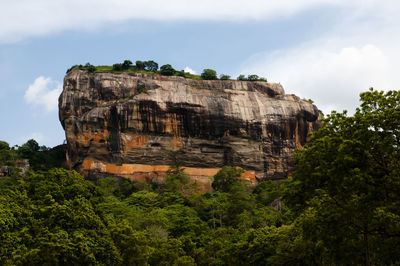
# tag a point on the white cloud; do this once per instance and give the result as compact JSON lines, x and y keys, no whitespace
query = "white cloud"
{"x":189,"y":70}
{"x":43,"y":91}
{"x":359,"y":52}
{"x":20,"y":19}
{"x":39,"y":137}
{"x":333,"y":77}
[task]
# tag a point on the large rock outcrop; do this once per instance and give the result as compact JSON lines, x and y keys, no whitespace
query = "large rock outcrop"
{"x":137,"y":125}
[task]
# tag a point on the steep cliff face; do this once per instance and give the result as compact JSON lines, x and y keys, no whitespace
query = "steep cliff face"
{"x":137,"y":125}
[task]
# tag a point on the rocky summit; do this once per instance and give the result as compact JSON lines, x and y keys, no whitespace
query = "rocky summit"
{"x":136,"y":125}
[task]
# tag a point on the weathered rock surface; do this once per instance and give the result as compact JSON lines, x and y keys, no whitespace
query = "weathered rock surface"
{"x":137,"y":125}
{"x":21,"y":164}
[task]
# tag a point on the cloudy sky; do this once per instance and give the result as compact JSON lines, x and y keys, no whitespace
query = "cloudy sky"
{"x":325,"y":50}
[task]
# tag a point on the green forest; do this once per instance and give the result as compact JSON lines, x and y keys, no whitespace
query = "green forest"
{"x":340,"y":207}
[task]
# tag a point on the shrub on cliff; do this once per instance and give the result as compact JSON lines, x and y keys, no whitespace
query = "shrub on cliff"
{"x":126,"y":64}
{"x":117,"y":67}
{"x":90,"y":68}
{"x":7,"y":155}
{"x":241,"y":77}
{"x":150,"y":66}
{"x":224,"y":77}
{"x":167,"y":70}
{"x":69,"y":69}
{"x":140,"y":65}
{"x":209,"y":74}
{"x":226,"y":178}
{"x":253,"y":77}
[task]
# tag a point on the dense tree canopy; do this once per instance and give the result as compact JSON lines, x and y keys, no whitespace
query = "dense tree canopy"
{"x":347,"y":185}
{"x":167,"y":70}
{"x":150,"y":66}
{"x":209,"y":74}
{"x":341,"y":207}
{"x":126,"y":64}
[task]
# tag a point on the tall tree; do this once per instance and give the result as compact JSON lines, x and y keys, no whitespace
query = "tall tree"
{"x":209,"y":74}
{"x":150,"y":66}
{"x":348,"y":182}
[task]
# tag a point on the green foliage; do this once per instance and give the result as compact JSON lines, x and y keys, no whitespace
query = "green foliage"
{"x":252,"y":77}
{"x":180,"y":73}
{"x":7,"y":154}
{"x":177,"y":180}
{"x":340,"y":208}
{"x":133,"y":245}
{"x":55,"y":221}
{"x":117,"y":67}
{"x":67,"y":219}
{"x":141,"y":88}
{"x":241,"y":77}
{"x":209,"y":74}
{"x":150,"y":66}
{"x":348,"y":182}
{"x":266,"y":192}
{"x":90,"y":68}
{"x":4,"y":146}
{"x":227,"y":178}
{"x":198,"y":86}
{"x":41,"y":157}
{"x":71,"y":68}
{"x":308,"y":100}
{"x":32,"y":145}
{"x":256,"y":78}
{"x":224,"y":77}
{"x":126,"y":64}
{"x":167,"y":70}
{"x":140,"y":65}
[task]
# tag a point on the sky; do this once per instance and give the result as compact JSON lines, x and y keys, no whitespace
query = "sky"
{"x":325,"y":50}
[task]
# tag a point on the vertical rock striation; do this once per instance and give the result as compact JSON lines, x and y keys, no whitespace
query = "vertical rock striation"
{"x":137,"y":125}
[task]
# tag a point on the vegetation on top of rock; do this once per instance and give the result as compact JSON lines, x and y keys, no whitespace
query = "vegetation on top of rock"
{"x":150,"y":66}
{"x":224,"y":77}
{"x":90,"y":68}
{"x":209,"y":74}
{"x":253,"y":77}
{"x":166,"y":70}
{"x":40,"y":157}
{"x":126,"y":64}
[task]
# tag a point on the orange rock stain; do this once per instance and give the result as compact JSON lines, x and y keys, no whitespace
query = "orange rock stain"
{"x":139,"y":172}
{"x":173,"y":128}
{"x":131,"y":142}
{"x":90,"y":138}
{"x":249,"y":175}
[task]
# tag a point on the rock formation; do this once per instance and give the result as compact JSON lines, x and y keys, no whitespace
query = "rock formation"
{"x":137,"y":125}
{"x":21,"y":164}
